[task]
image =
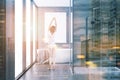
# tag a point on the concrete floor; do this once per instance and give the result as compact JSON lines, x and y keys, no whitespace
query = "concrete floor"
{"x":63,"y":72}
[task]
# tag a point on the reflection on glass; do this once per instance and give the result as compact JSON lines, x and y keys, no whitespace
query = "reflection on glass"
{"x":104,"y":34}
{"x":101,"y":42}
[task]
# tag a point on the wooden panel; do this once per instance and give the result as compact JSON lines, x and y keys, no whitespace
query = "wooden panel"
{"x":2,"y":39}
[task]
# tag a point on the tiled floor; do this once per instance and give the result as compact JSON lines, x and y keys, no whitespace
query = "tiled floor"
{"x":63,"y":72}
{"x":98,"y":73}
{"x":41,"y":72}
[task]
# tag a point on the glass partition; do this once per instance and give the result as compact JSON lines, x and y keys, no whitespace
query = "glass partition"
{"x":81,"y":11}
{"x":96,"y":38}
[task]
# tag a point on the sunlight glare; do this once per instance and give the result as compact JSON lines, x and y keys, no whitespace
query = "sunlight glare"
{"x":18,"y":36}
{"x":34,"y":32}
{"x":28,"y":26}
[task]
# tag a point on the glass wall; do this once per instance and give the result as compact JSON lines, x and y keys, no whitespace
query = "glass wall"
{"x":96,"y":32}
{"x":105,"y":33}
{"x":81,"y":11}
{"x":96,"y":38}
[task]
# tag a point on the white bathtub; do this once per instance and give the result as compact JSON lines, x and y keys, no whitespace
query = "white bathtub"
{"x":63,"y":55}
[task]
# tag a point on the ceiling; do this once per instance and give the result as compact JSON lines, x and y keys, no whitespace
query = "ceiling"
{"x":53,"y":3}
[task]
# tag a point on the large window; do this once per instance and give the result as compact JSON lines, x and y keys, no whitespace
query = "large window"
{"x":34,"y":32}
{"x":18,"y":36}
{"x":28,"y":28}
{"x":25,"y":35}
{"x":60,"y":36}
{"x":71,"y":26}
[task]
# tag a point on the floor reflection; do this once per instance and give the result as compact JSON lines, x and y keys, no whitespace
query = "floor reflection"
{"x":99,"y":73}
{"x":41,"y":72}
{"x":63,"y":72}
